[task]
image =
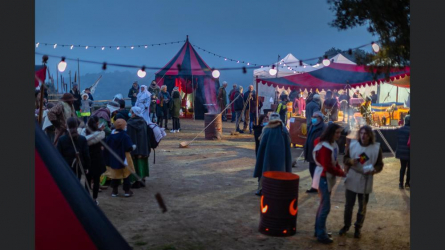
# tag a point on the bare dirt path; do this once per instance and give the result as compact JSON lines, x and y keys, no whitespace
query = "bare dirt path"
{"x":209,"y":190}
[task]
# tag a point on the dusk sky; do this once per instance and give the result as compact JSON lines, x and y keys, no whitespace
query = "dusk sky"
{"x":254,"y":31}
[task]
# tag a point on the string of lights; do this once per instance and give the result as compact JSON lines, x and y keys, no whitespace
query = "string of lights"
{"x":215,"y":72}
{"x":103,"y":47}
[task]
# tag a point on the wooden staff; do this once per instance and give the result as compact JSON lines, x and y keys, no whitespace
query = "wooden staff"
{"x":257,"y":113}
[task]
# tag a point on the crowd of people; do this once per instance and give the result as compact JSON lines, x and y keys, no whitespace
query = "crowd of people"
{"x":362,"y":160}
{"x":117,"y":143}
{"x":112,"y":141}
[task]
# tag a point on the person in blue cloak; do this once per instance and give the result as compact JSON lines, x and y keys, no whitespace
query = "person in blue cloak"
{"x":274,"y":151}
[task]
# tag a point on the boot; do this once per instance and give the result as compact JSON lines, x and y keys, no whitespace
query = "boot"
{"x":343,"y":231}
{"x":357,"y":233}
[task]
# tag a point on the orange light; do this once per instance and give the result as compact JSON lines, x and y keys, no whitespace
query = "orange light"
{"x":294,"y":228}
{"x":267,"y":229}
{"x":293,"y":211}
{"x":263,"y":208}
{"x":285,"y":231}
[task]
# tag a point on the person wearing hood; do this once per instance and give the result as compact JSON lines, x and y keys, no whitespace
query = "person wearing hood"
{"x":58,"y":114}
{"x":85,"y":108}
{"x":121,"y":144}
{"x":403,"y":152}
{"x":314,"y":131}
{"x":274,"y":150}
{"x":143,"y":102}
{"x":133,"y":93}
{"x":106,"y":116}
{"x":154,"y":91}
{"x":72,"y":143}
{"x":137,"y":130}
{"x":313,"y":106}
{"x":94,"y":135}
{"x":122,"y":113}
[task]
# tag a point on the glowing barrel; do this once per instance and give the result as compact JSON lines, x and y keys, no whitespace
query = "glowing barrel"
{"x":279,"y":203}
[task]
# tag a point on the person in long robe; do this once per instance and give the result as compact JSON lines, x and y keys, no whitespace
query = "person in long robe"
{"x":143,"y":102}
{"x":137,"y":130}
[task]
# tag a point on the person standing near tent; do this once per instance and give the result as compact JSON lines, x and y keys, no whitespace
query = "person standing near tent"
{"x":175,"y":107}
{"x":94,"y":134}
{"x":238,"y":106}
{"x":85,"y":109}
{"x":137,"y":130}
{"x":403,"y":152}
{"x":231,"y":98}
{"x":363,"y":159}
{"x":133,"y":93}
{"x":312,"y":107}
{"x":143,"y":101}
{"x":314,"y":131}
{"x":325,"y":155}
{"x":58,"y":114}
{"x":274,"y":150}
{"x":164,"y":99}
{"x":373,"y":97}
{"x":282,"y":106}
{"x":154,"y":91}
{"x":330,"y":107}
{"x":365,"y":111}
{"x":76,"y":93}
{"x":222,"y":100}
{"x":69,"y":151}
{"x":248,"y":96}
{"x":294,"y":95}
{"x":121,"y":144}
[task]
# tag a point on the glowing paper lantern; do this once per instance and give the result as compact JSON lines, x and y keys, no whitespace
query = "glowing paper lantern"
{"x":272,"y":72}
{"x":62,"y":65}
{"x":142,"y":73}
{"x":326,"y":62}
{"x":216,"y":73}
{"x":375,"y":47}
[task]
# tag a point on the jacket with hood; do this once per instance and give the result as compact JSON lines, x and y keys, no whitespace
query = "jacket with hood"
{"x":133,"y":91}
{"x":137,"y":130}
{"x":274,"y":150}
{"x":311,"y":107}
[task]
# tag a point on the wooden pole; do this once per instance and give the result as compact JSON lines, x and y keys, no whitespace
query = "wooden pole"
{"x":397,"y":94}
{"x":57,"y":76}
{"x":78,"y":71}
{"x":256,"y":96}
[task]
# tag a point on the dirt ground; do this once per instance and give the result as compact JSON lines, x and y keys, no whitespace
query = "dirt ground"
{"x":209,"y":191}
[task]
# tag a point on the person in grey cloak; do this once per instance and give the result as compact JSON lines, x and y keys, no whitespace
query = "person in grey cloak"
{"x":143,"y":102}
{"x":274,"y":150}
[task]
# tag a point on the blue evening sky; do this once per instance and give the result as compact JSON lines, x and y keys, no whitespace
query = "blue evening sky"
{"x":255,"y":31}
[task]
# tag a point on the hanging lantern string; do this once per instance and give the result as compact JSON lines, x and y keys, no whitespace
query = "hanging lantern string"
{"x":71,"y":46}
{"x":255,"y":64}
{"x":250,"y":65}
{"x":137,"y":66}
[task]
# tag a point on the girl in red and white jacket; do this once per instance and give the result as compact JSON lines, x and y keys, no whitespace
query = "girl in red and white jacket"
{"x":326,"y":157}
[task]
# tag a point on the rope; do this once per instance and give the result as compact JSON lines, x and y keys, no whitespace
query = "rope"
{"x":386,"y":142}
{"x":227,"y":106}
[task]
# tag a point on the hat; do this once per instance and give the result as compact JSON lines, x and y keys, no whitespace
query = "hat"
{"x":284,"y":92}
{"x":274,"y":116}
{"x":113,"y":106}
{"x":319,"y":114}
{"x":137,"y":111}
{"x":85,"y":95}
{"x":368,"y":99}
{"x":120,"y":124}
{"x":316,"y":97}
{"x":68,"y":97}
{"x":224,"y":82}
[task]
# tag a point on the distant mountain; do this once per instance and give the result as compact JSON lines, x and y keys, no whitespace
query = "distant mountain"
{"x":112,"y":83}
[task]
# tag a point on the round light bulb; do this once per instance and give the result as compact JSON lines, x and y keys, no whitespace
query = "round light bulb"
{"x":37,"y":45}
{"x":272,"y":72}
{"x":55,"y":45}
{"x":326,"y":62}
{"x":142,"y":73}
{"x":72,"y":46}
{"x":375,"y":47}
{"x":61,"y":66}
{"x":216,"y":73}
{"x":86,"y":47}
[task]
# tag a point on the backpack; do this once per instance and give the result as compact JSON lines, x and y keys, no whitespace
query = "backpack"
{"x":152,"y":140}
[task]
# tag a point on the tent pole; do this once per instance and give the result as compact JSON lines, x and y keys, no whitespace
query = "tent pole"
{"x":397,"y":94}
{"x":278,"y":63}
{"x":256,"y":96}
{"x":348,"y":97}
